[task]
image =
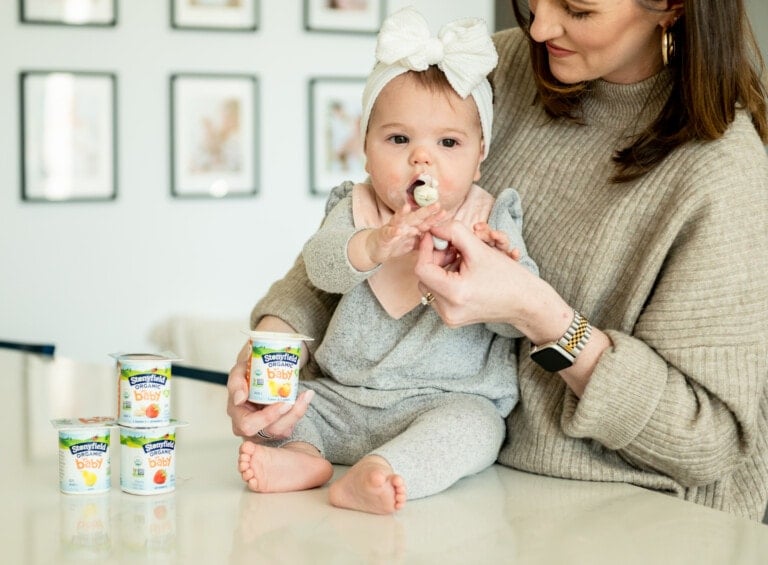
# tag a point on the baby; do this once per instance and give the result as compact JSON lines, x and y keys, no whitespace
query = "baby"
{"x":409,"y":403}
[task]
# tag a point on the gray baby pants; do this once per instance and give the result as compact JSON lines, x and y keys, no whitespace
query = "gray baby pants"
{"x":431,"y":440}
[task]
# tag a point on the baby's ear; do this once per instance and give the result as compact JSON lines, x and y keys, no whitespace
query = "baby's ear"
{"x":479,"y":162}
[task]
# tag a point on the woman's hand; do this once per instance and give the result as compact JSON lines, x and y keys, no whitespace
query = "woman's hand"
{"x":276,"y":420}
{"x":480,"y":285}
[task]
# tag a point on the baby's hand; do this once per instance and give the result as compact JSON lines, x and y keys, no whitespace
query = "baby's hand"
{"x":402,"y":233}
{"x":496,"y":238}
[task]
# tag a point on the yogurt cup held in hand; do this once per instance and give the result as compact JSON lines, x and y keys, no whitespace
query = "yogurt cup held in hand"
{"x":425,"y":194}
{"x":273,"y":366}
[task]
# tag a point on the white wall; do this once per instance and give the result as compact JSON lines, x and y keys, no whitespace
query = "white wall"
{"x":758,"y":15}
{"x":96,"y":277}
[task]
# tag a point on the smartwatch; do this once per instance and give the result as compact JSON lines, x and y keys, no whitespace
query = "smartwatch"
{"x":561,"y":354}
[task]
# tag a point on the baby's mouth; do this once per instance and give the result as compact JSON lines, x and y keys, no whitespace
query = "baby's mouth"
{"x":414,"y":184}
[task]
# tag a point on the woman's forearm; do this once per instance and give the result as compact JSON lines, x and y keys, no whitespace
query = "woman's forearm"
{"x":544,"y":316}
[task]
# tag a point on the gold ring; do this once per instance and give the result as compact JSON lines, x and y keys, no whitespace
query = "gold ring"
{"x":427,"y":299}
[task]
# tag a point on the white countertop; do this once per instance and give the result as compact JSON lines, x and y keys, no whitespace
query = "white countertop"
{"x":498,"y":516}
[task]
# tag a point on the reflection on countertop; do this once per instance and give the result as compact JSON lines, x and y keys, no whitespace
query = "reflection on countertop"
{"x":499,"y":515}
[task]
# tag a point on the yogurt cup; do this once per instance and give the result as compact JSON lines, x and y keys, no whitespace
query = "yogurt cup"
{"x":84,"y":456}
{"x":148,"y":459}
{"x":273,"y":367}
{"x":144,"y":389}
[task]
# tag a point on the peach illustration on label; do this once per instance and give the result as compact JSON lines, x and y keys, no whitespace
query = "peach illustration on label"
{"x":153,"y":411}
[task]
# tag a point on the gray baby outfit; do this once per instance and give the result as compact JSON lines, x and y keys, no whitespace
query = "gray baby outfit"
{"x":429,"y":399}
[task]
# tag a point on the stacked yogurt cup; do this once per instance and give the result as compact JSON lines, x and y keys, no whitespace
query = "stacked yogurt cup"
{"x":147,"y":431}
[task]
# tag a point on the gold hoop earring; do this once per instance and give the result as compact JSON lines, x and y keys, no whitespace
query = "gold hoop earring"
{"x":667,"y":45}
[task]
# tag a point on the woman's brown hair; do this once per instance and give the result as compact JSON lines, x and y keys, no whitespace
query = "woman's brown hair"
{"x":716,"y":69}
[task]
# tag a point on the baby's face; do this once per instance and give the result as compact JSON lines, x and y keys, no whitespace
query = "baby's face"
{"x":414,"y":131}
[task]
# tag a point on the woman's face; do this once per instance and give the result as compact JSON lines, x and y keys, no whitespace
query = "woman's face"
{"x":616,"y":40}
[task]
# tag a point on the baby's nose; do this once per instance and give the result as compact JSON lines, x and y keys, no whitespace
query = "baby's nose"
{"x":420,"y":155}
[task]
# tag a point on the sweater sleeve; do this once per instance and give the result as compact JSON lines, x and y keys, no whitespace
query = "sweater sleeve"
{"x":325,"y":254}
{"x":681,"y":394}
{"x":295,"y":300}
{"x":507,"y":216}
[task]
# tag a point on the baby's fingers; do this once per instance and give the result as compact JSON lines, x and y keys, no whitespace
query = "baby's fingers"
{"x":483,"y":231}
{"x":514,"y":254}
{"x":500,"y":240}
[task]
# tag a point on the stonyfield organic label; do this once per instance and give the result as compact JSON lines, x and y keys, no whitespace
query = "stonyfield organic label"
{"x":84,"y":464}
{"x":144,"y":390}
{"x":273,"y":367}
{"x":148,"y":459}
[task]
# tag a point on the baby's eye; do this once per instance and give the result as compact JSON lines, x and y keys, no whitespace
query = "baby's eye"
{"x":449,"y":142}
{"x":398,"y":139}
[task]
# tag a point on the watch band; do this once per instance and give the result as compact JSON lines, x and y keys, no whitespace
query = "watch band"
{"x":561,"y":354}
{"x":577,"y":335}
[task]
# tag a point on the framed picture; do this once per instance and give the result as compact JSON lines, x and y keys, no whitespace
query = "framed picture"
{"x":225,"y":15}
{"x":69,"y":12}
{"x":352,"y":16}
{"x":68,"y":136}
{"x":335,"y":143}
{"x":214,"y":142}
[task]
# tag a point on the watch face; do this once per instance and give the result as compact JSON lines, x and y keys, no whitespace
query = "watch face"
{"x":551,"y":359}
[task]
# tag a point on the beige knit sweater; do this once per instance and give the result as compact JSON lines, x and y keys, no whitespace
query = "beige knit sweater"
{"x":673,"y":266}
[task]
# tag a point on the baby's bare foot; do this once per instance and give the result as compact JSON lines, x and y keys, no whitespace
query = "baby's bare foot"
{"x":370,"y":486}
{"x":282,"y":469}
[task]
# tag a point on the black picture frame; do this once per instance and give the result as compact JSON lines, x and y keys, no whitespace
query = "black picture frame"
{"x":102,"y":13}
{"x":214,"y":135}
{"x":215,"y":17}
{"x":335,"y":142}
{"x":350,"y":16}
{"x":68,"y":135}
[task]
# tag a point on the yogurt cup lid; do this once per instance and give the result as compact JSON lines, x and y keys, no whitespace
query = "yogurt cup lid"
{"x":89,"y":422}
{"x":162,"y":356}
{"x":172,"y":423}
{"x":277,"y":335}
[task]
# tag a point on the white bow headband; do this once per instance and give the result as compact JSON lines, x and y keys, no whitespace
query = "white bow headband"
{"x":463,"y":50}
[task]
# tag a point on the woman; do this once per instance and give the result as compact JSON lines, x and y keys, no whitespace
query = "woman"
{"x":636,"y":143}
